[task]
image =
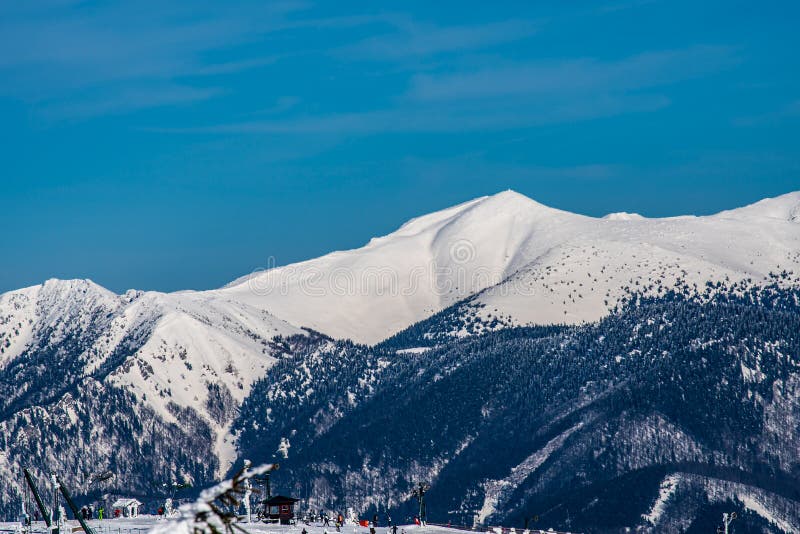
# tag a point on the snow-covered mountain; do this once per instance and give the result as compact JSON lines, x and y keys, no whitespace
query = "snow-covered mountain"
{"x":180,"y":361}
{"x":522,"y":261}
{"x":530,"y":264}
{"x":534,"y":264}
{"x":147,"y":371}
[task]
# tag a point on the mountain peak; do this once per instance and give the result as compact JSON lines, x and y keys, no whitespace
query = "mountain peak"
{"x":513,"y":198}
{"x":510,"y":194}
{"x":482,"y":214}
{"x":623,"y":216}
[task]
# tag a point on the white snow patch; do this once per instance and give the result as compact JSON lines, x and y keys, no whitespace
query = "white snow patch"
{"x":283,"y":448}
{"x":496,"y":491}
{"x":413,"y":350}
{"x":665,"y":492}
{"x":752,"y":504}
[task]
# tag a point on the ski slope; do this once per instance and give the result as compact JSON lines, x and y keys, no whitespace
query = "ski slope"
{"x":145,"y":524}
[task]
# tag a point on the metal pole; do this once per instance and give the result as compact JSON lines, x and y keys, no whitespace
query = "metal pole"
{"x":420,"y":494}
{"x":727,"y":519}
{"x":56,"y":513}
{"x":421,"y":504}
{"x":74,"y":508}
{"x":248,"y":490}
{"x":37,"y":497}
{"x":423,"y":510}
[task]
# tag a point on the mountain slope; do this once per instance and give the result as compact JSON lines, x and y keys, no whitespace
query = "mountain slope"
{"x":532,"y":265}
{"x":429,"y":263}
{"x":88,"y":377}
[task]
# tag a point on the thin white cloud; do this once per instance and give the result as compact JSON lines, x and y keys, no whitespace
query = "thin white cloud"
{"x":420,"y":39}
{"x":514,"y":96}
{"x":786,"y":112}
{"x":111,"y":38}
{"x":62,"y":54}
{"x":476,"y":167}
{"x":72,"y":59}
{"x":126,"y":100}
{"x":511,"y":115}
{"x":229,"y":67}
{"x":582,"y":75}
{"x":622,"y":6}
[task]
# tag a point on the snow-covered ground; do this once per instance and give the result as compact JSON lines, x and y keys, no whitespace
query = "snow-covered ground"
{"x":144,"y":524}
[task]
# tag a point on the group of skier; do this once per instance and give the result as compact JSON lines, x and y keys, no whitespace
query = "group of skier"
{"x":88,"y":512}
{"x":338,"y":522}
{"x":325,"y":519}
{"x":391,"y":528}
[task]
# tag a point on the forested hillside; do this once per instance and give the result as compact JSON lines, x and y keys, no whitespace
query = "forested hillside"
{"x":664,"y":414}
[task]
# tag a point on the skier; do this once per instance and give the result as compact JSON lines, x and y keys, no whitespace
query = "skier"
{"x":394,"y":529}
{"x":388,"y":520}
{"x":304,"y":531}
{"x":100,"y":513}
{"x":375,"y":520}
{"x":326,"y":520}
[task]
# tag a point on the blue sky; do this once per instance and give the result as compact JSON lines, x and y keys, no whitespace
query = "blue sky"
{"x":164,"y":145}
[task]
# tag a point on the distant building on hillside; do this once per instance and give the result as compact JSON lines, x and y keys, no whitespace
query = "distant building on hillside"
{"x":280,"y":508}
{"x":126,"y":508}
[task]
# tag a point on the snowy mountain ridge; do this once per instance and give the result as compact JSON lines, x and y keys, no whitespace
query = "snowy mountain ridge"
{"x":168,"y":350}
{"x":533,"y":263}
{"x":506,"y":245}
